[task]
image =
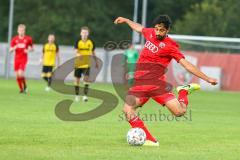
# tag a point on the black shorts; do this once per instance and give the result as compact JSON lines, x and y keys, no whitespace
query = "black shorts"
{"x":47,"y":69}
{"x":78,"y":72}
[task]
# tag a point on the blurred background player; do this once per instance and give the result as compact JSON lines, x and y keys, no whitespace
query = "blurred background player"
{"x":158,"y":49}
{"x":84,"y":49}
{"x":130,"y":58}
{"x":49,"y":56}
{"x":21,"y":44}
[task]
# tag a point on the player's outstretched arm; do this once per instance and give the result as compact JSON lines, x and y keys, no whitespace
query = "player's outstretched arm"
{"x":135,"y":26}
{"x":194,"y":70}
{"x":30,"y":49}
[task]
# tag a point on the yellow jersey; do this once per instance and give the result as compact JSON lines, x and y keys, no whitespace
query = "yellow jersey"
{"x":49,"y":54}
{"x":85,"y":50}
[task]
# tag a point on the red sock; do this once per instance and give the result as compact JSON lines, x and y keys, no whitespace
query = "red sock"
{"x":19,"y":81}
{"x":137,"y":122}
{"x":24,"y":82}
{"x":182,"y":96}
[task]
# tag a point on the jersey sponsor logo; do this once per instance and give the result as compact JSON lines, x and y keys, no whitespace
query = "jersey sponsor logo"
{"x":50,"y":50}
{"x":150,"y":46}
{"x":84,"y":49}
{"x":21,"y":45}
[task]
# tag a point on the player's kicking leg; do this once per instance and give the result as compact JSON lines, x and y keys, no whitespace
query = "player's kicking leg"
{"x":178,"y":107}
{"x":130,"y":107}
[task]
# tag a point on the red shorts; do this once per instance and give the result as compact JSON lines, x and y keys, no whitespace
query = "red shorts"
{"x":144,"y":93}
{"x":20,"y":65}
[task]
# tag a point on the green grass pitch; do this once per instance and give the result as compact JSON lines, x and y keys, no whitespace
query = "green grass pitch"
{"x":29,"y":129}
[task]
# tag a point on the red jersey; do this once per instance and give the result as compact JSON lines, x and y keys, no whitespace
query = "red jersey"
{"x":149,"y":79}
{"x":156,"y":55}
{"x":22,"y":45}
{"x":159,"y":51}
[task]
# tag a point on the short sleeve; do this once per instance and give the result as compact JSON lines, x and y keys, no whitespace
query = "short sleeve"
{"x":76,"y":43}
{"x":57,"y":47}
{"x":43,"y":48}
{"x":93,"y":43}
{"x":146,"y":32}
{"x":30,"y":41}
{"x":176,"y":53}
{"x":13,"y":42}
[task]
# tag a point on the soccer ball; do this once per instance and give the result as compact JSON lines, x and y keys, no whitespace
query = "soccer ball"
{"x":136,"y":137}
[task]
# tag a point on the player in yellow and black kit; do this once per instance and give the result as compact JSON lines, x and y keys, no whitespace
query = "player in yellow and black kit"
{"x":50,"y":53}
{"x":84,"y":49}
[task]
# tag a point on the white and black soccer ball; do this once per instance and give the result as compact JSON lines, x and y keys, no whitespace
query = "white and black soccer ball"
{"x":136,"y":137}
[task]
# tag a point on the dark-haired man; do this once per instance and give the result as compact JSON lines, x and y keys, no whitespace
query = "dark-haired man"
{"x":158,"y":51}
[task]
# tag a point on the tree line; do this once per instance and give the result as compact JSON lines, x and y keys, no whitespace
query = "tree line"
{"x":64,"y":18}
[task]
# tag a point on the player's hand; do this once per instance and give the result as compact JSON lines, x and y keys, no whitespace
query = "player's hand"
{"x":30,"y":49}
{"x":120,"y":20}
{"x":212,"y":81}
{"x":26,"y":51}
{"x":12,"y":49}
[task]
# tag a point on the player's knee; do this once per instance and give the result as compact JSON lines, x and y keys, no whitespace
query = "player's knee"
{"x":179,"y":113}
{"x":131,"y":101}
{"x":20,"y":75}
{"x":77,"y":81}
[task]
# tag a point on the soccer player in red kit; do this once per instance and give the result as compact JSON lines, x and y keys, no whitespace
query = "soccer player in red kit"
{"x":21,"y":44}
{"x":158,"y":49}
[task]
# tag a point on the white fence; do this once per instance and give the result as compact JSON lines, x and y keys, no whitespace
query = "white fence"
{"x":34,"y":67}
